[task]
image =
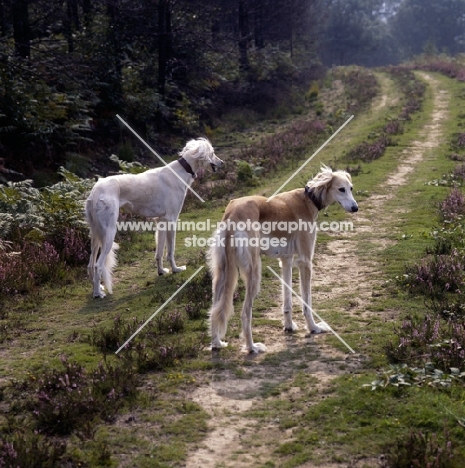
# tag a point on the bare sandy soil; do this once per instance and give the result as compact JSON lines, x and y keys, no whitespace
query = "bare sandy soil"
{"x":340,"y":273}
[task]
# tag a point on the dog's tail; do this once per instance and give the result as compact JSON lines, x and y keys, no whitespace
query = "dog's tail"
{"x":223,"y":268}
{"x":110,"y":263}
{"x":97,"y":235}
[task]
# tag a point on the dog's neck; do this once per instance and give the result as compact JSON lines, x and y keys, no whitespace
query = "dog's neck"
{"x":316,"y":201}
{"x":187,"y":167}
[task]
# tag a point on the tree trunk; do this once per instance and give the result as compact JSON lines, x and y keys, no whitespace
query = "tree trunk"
{"x":164,"y":43}
{"x":21,"y":30}
{"x":87,"y":12}
{"x":114,"y":40}
{"x":243,"y":36}
{"x":71,"y":22}
{"x":2,"y":19}
{"x":258,"y":25}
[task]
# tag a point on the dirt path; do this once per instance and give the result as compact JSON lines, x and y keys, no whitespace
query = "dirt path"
{"x":340,"y":276}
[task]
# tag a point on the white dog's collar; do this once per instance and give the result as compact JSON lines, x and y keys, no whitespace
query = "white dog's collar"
{"x":187,"y":167}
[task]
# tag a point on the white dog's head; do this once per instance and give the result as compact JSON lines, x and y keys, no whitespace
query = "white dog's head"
{"x":331,"y":187}
{"x":200,"y":152}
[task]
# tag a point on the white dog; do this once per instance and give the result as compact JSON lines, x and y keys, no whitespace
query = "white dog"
{"x":233,"y":249}
{"x":156,"y":193}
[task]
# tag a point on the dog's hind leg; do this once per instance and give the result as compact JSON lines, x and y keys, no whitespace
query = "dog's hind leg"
{"x":105,"y":263}
{"x":94,"y":248}
{"x":251,"y":274}
{"x":170,"y":246}
{"x":160,"y":237}
{"x":286,"y":266}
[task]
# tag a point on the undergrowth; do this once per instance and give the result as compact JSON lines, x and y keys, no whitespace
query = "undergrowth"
{"x":413,"y":91}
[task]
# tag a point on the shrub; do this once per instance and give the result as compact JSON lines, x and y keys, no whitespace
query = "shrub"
{"x":32,"y":265}
{"x":394,"y":127}
{"x":367,"y":151}
{"x":434,"y":276}
{"x":412,"y":339}
{"x":459,"y":172}
{"x":459,"y":141}
{"x":72,"y":399}
{"x":429,"y":340}
{"x":360,"y":86}
{"x":152,"y":354}
{"x":245,"y":173}
{"x":453,"y":206}
{"x":156,"y":347}
{"x":45,"y":230}
{"x":313,"y":91}
{"x":28,"y":449}
{"x":420,"y":450}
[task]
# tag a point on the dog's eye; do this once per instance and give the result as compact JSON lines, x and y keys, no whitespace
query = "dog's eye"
{"x":342,"y":189}
{"x":351,"y":189}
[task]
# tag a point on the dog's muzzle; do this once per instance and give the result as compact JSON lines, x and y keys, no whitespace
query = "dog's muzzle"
{"x":354,"y":208}
{"x":216,"y":166}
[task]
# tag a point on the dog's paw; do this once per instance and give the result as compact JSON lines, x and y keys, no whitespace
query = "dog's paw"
{"x":292,"y":328}
{"x":218,"y":345}
{"x":163,"y":271}
{"x":321,"y":327}
{"x":257,"y":348}
{"x":179,"y":269}
{"x":324,"y":326}
{"x":101,"y":294}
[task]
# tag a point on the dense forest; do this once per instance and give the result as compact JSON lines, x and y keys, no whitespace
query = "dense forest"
{"x":175,"y":68}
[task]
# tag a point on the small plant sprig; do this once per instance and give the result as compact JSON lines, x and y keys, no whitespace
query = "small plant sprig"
{"x":405,"y":376}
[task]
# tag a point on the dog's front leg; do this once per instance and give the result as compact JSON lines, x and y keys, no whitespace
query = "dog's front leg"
{"x":170,"y":245}
{"x":160,"y":237}
{"x":286,"y":266}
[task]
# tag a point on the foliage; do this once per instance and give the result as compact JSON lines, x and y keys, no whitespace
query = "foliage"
{"x":412,"y":88}
{"x":413,"y":91}
{"x":438,"y":337}
{"x":245,"y":174}
{"x":421,"y":450}
{"x":404,"y":376}
{"x":393,"y":127}
{"x":172,"y":66}
{"x":45,"y":230}
{"x":453,"y":207}
{"x":360,"y":86}
{"x":26,"y":448}
{"x":289,"y":144}
{"x":69,"y":400}
{"x":128,"y":167}
{"x":157,"y":346}
{"x":418,"y":26}
{"x":448,"y":66}
{"x":352,"y":31}
{"x":436,"y":275}
{"x":429,"y":339}
{"x":369,"y":151}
